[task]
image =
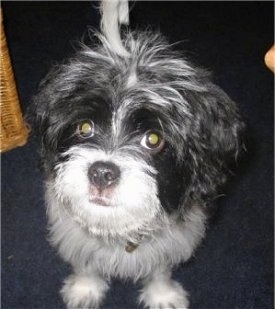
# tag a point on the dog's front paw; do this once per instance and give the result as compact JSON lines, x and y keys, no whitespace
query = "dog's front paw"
{"x":164,"y":295}
{"x":83,"y":292}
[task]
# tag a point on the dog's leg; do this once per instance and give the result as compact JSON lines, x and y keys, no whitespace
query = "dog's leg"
{"x":80,"y":291}
{"x":160,"y":291}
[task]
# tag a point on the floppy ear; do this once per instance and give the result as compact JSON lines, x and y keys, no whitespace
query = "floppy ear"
{"x":216,"y":140}
{"x":223,"y":121}
{"x":36,"y":115}
{"x":39,"y":113}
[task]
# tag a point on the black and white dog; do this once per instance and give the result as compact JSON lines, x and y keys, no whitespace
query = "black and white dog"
{"x":136,"y":143}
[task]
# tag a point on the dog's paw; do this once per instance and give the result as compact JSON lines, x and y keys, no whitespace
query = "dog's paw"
{"x":83,"y":292}
{"x":164,"y":295}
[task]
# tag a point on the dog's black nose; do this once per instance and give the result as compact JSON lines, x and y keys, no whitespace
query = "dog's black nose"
{"x":103,"y":174}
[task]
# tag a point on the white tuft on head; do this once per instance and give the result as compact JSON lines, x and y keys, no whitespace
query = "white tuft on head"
{"x":114,"y":13}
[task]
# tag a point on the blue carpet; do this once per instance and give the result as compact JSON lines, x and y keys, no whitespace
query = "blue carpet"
{"x":234,"y":266}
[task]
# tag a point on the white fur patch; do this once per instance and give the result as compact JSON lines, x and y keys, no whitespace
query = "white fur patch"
{"x":114,"y":13}
{"x":83,"y":291}
{"x":135,"y":204}
{"x":164,"y":242}
{"x":93,"y":238}
{"x":163,"y":293}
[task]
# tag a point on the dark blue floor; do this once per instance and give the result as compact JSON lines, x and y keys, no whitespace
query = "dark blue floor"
{"x":234,"y":266}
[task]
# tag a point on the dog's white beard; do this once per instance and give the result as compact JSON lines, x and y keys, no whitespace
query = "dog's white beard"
{"x":135,"y":209}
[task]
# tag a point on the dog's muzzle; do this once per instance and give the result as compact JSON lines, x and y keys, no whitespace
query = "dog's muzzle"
{"x":103,"y":177}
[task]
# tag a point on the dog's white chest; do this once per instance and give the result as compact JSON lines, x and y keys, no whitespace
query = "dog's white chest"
{"x":165,"y":249}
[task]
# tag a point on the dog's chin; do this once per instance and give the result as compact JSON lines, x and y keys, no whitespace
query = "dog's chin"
{"x":101,"y":198}
{"x":104,"y":218}
{"x":115,"y":214}
{"x":100,"y":201}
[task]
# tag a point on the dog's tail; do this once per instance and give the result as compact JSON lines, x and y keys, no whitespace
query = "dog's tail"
{"x":114,"y":13}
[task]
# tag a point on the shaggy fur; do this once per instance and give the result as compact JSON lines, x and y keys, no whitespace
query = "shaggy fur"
{"x":154,"y":215}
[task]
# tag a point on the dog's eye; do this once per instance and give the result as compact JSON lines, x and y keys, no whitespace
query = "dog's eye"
{"x":152,"y":141}
{"x":85,"y":129}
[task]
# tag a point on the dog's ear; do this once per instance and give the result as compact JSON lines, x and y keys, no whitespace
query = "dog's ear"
{"x":39,"y":114}
{"x":215,"y":141}
{"x":36,"y":115}
{"x":222,"y":122}
{"x":39,"y":109}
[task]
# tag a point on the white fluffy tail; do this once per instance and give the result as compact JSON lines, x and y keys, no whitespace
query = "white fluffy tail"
{"x":114,"y":13}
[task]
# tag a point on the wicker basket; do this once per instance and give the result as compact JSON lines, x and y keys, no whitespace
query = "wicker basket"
{"x":13,"y":132}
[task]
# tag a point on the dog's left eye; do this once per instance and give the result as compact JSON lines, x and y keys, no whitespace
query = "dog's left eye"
{"x":85,"y":129}
{"x":152,"y":141}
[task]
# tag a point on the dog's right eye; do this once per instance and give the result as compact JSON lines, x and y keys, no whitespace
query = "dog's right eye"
{"x":85,"y":129}
{"x":152,"y":141}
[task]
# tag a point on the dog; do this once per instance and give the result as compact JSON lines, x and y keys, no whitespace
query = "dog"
{"x":136,"y":144}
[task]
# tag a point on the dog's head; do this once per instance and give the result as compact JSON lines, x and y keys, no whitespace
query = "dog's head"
{"x":128,"y":140}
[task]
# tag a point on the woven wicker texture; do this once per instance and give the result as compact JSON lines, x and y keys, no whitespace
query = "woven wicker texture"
{"x":13,"y":129}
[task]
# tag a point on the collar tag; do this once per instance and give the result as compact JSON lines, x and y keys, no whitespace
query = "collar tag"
{"x":130,"y":247}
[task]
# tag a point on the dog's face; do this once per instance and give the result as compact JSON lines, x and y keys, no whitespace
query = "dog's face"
{"x":128,"y":141}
